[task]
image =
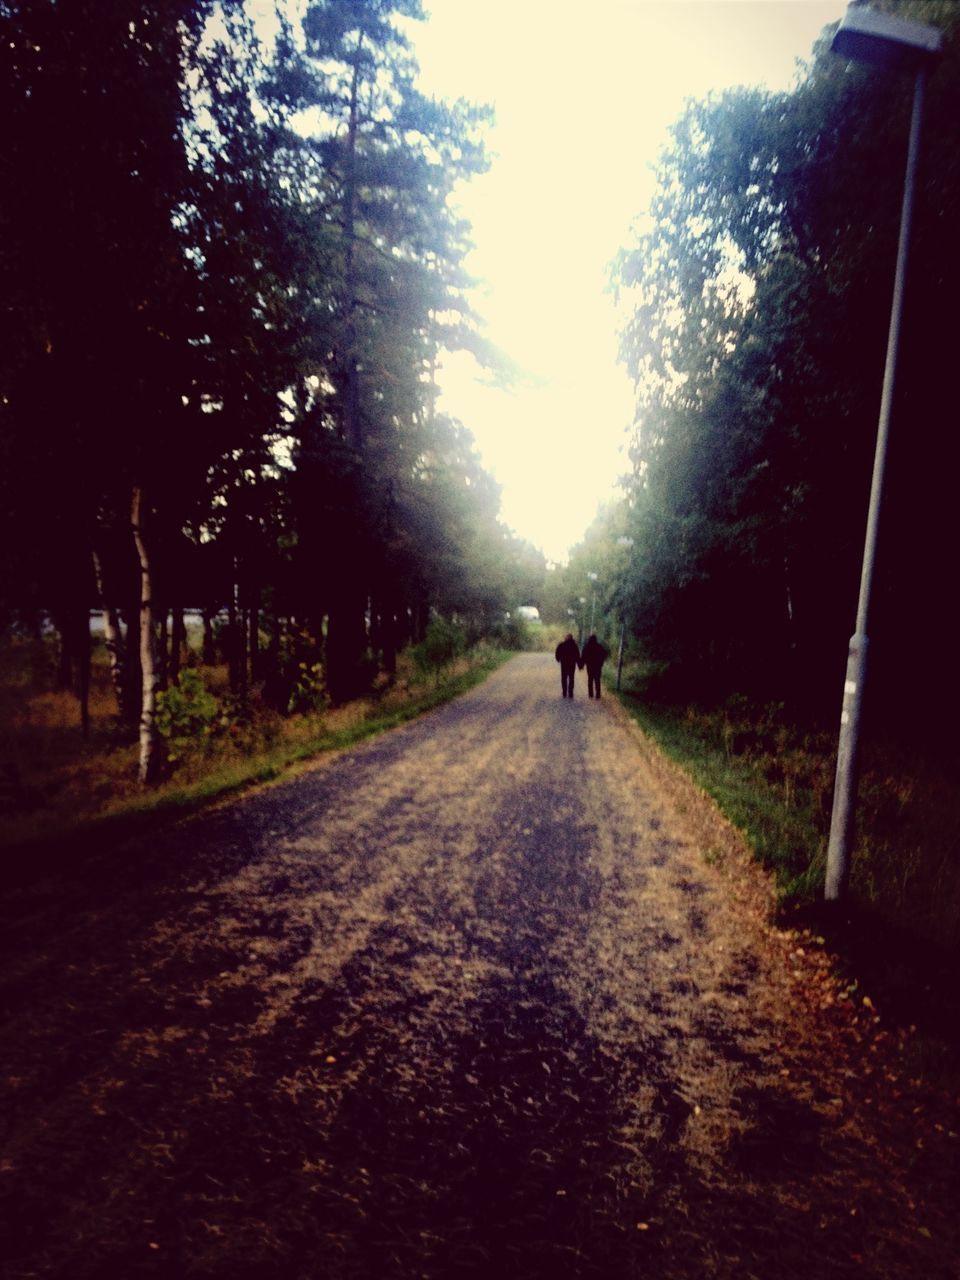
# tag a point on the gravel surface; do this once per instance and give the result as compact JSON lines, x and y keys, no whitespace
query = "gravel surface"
{"x":494,"y":994}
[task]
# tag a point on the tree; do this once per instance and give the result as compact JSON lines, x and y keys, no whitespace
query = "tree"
{"x":216,"y":387}
{"x":757,"y":340}
{"x":388,"y":158}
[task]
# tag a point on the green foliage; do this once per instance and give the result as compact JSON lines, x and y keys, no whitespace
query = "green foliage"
{"x":756,"y":339}
{"x":515,"y":633}
{"x":274,"y":300}
{"x":443,"y":642}
{"x":188,"y":714}
{"x":774,"y":780}
{"x":308,"y":689}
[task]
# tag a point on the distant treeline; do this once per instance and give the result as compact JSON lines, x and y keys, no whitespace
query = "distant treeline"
{"x":228,"y":266}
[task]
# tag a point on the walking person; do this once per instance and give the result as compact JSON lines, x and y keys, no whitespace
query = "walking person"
{"x":593,"y":657}
{"x":568,"y":655}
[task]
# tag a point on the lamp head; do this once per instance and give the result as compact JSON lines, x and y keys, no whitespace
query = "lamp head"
{"x":881,"y":40}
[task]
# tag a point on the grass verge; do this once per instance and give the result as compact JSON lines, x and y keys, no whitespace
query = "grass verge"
{"x":897,"y":938}
{"x":781,"y":821}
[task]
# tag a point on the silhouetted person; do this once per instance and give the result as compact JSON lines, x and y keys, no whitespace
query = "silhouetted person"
{"x":593,"y":657}
{"x":568,"y":655}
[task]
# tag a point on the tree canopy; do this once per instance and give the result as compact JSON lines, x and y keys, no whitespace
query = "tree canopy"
{"x":229,"y":265}
{"x":759,"y":294}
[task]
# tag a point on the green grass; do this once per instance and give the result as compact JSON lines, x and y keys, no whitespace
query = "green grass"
{"x":771,"y":795}
{"x":775,"y":783}
{"x":898,"y":935}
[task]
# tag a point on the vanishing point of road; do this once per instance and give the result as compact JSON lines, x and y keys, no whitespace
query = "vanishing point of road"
{"x":496,"y":993}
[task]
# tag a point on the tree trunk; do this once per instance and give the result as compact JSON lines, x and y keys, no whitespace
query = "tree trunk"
{"x":160,"y":647}
{"x":242,"y":670}
{"x":150,"y":746}
{"x":346,"y":645}
{"x":83,"y":669}
{"x":38,"y":651}
{"x":178,"y":642}
{"x":112,"y":638}
{"x":233,"y":643}
{"x":64,"y":651}
{"x":353,"y":427}
{"x":386,"y":639}
{"x":132,"y":674}
{"x":209,"y":654}
{"x":256,"y":663}
{"x":273,"y":684}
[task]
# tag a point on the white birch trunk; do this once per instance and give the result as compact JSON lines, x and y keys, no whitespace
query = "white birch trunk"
{"x":149,"y":737}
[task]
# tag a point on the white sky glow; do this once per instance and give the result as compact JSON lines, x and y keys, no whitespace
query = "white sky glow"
{"x":584,"y":96}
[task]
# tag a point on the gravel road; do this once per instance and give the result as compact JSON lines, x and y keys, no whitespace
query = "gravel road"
{"x":494,"y":994}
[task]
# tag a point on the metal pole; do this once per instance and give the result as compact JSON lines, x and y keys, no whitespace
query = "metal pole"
{"x":845,"y":787}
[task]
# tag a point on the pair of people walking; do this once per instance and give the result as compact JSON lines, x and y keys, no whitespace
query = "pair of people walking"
{"x":593,"y":657}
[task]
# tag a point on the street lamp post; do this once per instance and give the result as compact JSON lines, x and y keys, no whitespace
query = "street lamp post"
{"x":879,"y":40}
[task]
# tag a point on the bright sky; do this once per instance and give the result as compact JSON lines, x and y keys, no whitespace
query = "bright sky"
{"x":584,"y":95}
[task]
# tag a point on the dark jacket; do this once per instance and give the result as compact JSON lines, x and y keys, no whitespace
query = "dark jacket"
{"x":568,"y":654}
{"x":594,"y":655}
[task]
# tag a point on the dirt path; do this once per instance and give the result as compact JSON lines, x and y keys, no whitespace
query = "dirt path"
{"x":494,"y":994}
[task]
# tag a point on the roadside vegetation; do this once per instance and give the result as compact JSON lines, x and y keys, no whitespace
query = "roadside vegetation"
{"x":56,"y":784}
{"x":218,"y":397}
{"x":898,"y":937}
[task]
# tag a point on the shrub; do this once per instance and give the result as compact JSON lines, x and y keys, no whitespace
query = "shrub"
{"x":307,"y":689}
{"x":513,"y":633}
{"x":443,"y":642}
{"x":187,"y":713}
